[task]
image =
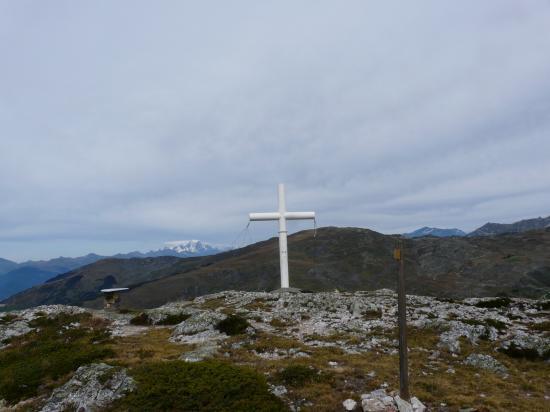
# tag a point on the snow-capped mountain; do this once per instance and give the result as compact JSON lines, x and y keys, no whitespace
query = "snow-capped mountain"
{"x":434,"y":231}
{"x":194,"y":246}
{"x":178,"y":248}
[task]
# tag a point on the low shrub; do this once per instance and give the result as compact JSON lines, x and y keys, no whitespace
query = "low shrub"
{"x":473,"y":322}
{"x":33,"y":361}
{"x":174,"y":319}
{"x":494,"y":303}
{"x":497,"y":324}
{"x":372,"y":314}
{"x":541,"y":326}
{"x":201,"y":386}
{"x":233,"y":325}
{"x":297,"y":375}
{"x":7,"y":318}
{"x":141,"y":320}
{"x":532,"y":354}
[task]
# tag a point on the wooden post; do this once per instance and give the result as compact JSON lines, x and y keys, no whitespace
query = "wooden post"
{"x":402,"y":322}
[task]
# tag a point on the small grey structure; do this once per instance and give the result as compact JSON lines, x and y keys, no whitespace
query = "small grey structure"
{"x":112,"y":297}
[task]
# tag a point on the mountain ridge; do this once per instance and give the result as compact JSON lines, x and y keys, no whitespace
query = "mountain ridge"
{"x":33,"y":272}
{"x":492,"y":229}
{"x":345,"y":258}
{"x":488,"y":229}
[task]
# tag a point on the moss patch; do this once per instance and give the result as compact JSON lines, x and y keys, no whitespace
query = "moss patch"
{"x":200,"y":386}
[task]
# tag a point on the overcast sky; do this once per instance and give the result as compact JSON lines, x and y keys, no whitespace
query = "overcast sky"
{"x":125,"y":124}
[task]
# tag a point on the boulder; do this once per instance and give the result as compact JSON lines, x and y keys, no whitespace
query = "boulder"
{"x":13,"y":329}
{"x":527,"y":341}
{"x":479,"y":360}
{"x":91,"y":388}
{"x":378,"y":401}
{"x":198,"y":322}
{"x":450,"y":339}
{"x":349,"y":404}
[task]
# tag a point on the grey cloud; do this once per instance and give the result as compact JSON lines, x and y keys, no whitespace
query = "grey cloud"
{"x":134,"y":123}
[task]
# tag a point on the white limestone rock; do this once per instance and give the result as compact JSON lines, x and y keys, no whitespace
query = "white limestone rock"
{"x":378,"y":401}
{"x":479,"y":360}
{"x":524,"y":340}
{"x":91,"y":388}
{"x":13,"y":329}
{"x":198,"y":322}
{"x":278,"y":390}
{"x":402,"y":404}
{"x":417,"y":405}
{"x":349,"y":404}
{"x":450,"y":339}
{"x":16,"y":323}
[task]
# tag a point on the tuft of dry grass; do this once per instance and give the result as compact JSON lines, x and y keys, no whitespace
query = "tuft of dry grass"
{"x":152,"y":345}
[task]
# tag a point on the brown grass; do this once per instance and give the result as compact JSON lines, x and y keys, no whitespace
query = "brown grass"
{"x":152,"y":345}
{"x":428,"y":378}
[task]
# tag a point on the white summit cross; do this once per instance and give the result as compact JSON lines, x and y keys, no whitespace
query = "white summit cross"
{"x":282,"y":216}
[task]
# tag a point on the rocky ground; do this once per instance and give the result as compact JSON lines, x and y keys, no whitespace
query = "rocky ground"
{"x":317,"y":351}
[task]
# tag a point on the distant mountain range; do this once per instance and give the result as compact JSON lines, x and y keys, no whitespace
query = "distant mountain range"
{"x":348,"y":259}
{"x":15,"y":277}
{"x":492,"y":229}
{"x":434,"y":231}
{"x":488,"y":229}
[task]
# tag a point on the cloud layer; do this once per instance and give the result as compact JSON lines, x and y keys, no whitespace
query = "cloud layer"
{"x":125,"y":125}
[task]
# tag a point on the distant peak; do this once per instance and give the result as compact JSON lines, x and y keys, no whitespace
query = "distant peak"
{"x":188,"y":246}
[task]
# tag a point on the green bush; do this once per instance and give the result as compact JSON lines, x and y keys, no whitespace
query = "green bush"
{"x":297,"y":375}
{"x":233,"y":325}
{"x":473,"y":322}
{"x":174,"y":319}
{"x":201,"y":386}
{"x":49,"y":353}
{"x":497,"y":324}
{"x":495,"y":303}
{"x":524,"y":353}
{"x":141,"y":320}
{"x":7,"y":318}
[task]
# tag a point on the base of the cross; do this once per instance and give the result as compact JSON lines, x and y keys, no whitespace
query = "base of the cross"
{"x":287,"y":290}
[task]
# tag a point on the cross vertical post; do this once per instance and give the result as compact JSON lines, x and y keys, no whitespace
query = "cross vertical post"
{"x":282,"y":216}
{"x":283,"y":246}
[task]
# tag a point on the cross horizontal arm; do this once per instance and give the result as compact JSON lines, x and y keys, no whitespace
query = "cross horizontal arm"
{"x":277,"y":216}
{"x":264,"y":216}
{"x":299,"y":215}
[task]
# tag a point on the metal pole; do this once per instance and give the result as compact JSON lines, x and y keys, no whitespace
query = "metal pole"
{"x":402,"y":321}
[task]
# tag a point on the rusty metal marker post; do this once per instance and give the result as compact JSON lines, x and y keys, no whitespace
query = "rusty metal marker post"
{"x":402,"y":322}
